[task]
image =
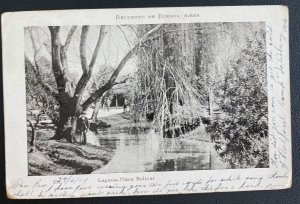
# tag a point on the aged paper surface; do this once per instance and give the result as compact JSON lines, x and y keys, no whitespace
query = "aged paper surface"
{"x":120,"y":102}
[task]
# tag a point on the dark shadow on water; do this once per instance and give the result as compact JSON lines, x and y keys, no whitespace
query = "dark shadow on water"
{"x":182,"y":164}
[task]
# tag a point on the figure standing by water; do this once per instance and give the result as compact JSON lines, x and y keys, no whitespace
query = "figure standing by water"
{"x":83,"y":125}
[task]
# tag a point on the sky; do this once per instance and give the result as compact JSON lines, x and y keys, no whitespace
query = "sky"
{"x":114,"y":47}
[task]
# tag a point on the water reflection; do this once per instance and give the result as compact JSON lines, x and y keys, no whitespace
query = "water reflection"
{"x":143,"y":150}
{"x":181,"y":164}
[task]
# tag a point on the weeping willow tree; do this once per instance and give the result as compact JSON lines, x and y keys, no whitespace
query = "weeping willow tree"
{"x":164,"y":87}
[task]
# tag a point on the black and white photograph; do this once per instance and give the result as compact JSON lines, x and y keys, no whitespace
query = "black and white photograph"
{"x":146,"y":97}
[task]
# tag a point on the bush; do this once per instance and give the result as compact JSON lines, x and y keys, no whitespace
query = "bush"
{"x":241,"y":141}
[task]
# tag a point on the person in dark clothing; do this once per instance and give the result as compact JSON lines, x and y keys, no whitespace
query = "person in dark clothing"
{"x":83,"y":126}
{"x":125,"y":107}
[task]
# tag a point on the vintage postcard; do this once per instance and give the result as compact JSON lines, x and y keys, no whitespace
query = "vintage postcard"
{"x":124,"y":102}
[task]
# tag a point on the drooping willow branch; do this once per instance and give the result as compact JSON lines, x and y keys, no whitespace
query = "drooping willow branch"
{"x":164,"y":90}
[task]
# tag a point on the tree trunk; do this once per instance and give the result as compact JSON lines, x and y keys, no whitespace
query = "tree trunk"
{"x":32,"y":143}
{"x":62,"y":125}
{"x":210,"y":101}
{"x":74,"y":121}
{"x":198,"y":52}
{"x":96,"y":110}
{"x":67,"y":128}
{"x":116,"y":101}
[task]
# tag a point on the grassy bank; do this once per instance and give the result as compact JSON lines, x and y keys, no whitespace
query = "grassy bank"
{"x":51,"y":157}
{"x":199,"y":134}
{"x":122,"y":120}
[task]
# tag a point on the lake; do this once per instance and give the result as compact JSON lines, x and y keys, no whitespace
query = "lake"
{"x":145,"y":151}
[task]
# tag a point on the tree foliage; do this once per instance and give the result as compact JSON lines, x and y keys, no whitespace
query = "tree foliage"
{"x":242,"y":133}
